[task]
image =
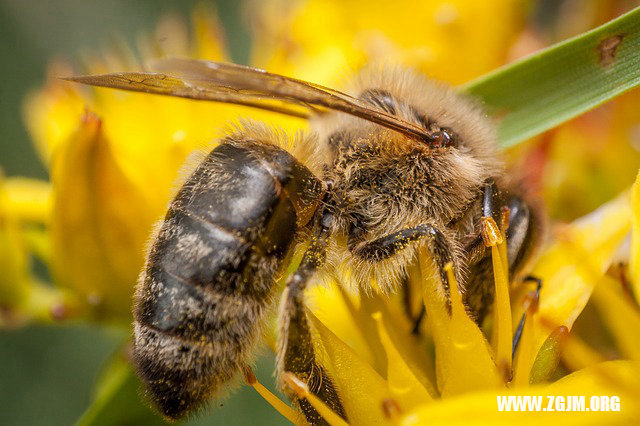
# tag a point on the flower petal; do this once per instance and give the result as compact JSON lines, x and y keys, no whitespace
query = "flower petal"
{"x":460,"y":344}
{"x":22,"y":295}
{"x":575,"y":262}
{"x":482,"y":407}
{"x":634,"y":266}
{"x":621,"y":317}
{"x":337,"y":310}
{"x":414,"y":352}
{"x":548,"y":356}
{"x":502,"y":329}
{"x":14,"y":262}
{"x":361,"y":389}
{"x":100,"y":222}
{"x":208,"y":34}
{"x":28,"y":199}
{"x":51,"y":115}
{"x":403,"y":384}
{"x":440,"y":37}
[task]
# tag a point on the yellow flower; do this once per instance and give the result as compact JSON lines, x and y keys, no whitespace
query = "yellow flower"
{"x":385,"y":374}
{"x":24,"y":209}
{"x":319,"y":40}
{"x":374,"y":358}
{"x":13,"y":253}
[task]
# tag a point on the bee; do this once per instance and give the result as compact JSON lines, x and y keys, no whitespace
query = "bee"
{"x":403,"y":164}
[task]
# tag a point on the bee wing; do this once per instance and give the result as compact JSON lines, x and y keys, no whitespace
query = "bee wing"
{"x":163,"y":84}
{"x":238,"y":84}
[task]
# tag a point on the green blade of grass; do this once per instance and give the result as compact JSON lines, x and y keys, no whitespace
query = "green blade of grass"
{"x":556,"y":84}
{"x":118,"y":401}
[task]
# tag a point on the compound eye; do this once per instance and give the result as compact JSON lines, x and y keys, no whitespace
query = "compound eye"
{"x":443,"y":138}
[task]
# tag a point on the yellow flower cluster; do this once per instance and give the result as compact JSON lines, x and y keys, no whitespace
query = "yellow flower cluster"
{"x":374,"y":357}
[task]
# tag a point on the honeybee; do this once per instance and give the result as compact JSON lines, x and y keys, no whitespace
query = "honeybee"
{"x":405,"y":163}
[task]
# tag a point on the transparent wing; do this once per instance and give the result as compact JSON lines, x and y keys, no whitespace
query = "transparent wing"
{"x":162,"y":84}
{"x":238,"y":84}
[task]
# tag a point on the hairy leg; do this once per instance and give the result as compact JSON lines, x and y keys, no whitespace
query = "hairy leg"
{"x":295,"y":347}
{"x":384,"y":247}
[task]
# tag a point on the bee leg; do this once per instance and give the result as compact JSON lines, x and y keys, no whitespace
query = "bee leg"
{"x":295,"y":347}
{"x":520,"y":232}
{"x":490,"y":190}
{"x":518,"y":334}
{"x":440,"y":247}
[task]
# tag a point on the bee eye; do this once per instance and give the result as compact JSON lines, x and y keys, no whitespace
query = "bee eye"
{"x":443,"y":138}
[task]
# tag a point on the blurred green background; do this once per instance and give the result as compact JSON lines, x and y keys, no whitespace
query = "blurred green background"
{"x":48,"y":374}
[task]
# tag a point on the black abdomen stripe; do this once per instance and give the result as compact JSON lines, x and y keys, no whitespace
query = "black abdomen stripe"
{"x":210,"y":273}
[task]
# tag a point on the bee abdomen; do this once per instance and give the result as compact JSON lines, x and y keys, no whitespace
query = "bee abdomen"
{"x":210,"y":273}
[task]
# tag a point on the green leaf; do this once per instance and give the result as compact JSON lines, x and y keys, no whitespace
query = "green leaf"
{"x":556,"y":84}
{"x":117,"y":400}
